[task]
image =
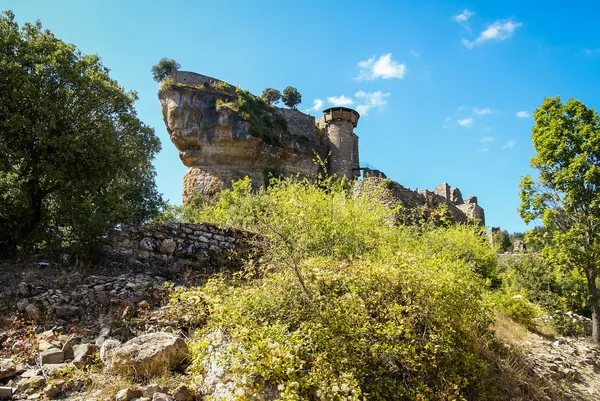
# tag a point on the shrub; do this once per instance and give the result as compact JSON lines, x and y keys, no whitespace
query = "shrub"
{"x":348,"y":306}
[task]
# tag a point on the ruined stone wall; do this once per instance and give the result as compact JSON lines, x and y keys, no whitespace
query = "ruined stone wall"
{"x":394,"y":194}
{"x":176,"y":247}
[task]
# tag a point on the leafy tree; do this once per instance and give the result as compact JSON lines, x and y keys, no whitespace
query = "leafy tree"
{"x":291,"y":97}
{"x":163,"y":68}
{"x":74,"y":158}
{"x":271,"y":95}
{"x":501,"y":239}
{"x":566,"y":196}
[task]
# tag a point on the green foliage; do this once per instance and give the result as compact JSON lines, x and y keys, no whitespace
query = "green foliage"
{"x":163,"y":68}
{"x":517,"y":307}
{"x":501,"y":239}
{"x":347,"y":306}
{"x":265,"y":122}
{"x":566,"y":195}
{"x":545,"y":284}
{"x":270,"y":95}
{"x":74,"y":158}
{"x":291,"y":97}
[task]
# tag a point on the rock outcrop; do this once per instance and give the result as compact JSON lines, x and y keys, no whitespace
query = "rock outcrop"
{"x":223,"y":133}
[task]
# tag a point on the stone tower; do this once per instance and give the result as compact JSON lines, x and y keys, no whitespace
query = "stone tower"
{"x":339,"y":124}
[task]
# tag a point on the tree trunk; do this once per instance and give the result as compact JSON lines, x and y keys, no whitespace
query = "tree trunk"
{"x":36,"y":198}
{"x":593,"y":290}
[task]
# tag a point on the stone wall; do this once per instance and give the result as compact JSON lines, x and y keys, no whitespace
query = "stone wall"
{"x":394,"y":194}
{"x":176,"y":247}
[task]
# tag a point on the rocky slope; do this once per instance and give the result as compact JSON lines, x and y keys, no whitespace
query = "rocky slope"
{"x":106,"y":336}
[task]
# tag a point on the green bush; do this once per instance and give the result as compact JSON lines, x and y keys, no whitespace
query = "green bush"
{"x":348,"y":306}
{"x":517,"y":307}
{"x":544,"y":284}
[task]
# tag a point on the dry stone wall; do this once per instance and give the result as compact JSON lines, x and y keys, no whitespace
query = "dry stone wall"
{"x":175,"y":247}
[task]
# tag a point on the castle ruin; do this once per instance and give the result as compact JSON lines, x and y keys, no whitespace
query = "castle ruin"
{"x":223,"y":134}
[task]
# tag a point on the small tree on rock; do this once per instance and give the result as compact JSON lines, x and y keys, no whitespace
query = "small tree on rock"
{"x":271,"y":95}
{"x":291,"y":97}
{"x":163,"y":68}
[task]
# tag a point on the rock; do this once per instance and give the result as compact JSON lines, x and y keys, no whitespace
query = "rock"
{"x":22,"y":304}
{"x":66,"y":310}
{"x":168,"y":246}
{"x":34,"y":382}
{"x":106,"y":349}
{"x":154,"y":388}
{"x":68,"y":351}
{"x":182,"y":393}
{"x":52,"y":356}
{"x":31,"y":373}
{"x":148,"y":355}
{"x":51,"y":391}
{"x":33,"y":312}
{"x":54,"y":368}
{"x":127,"y":394}
{"x":102,"y":298}
{"x":7,"y":368}
{"x":83,"y":354}
{"x":6,"y":392}
{"x":162,"y":397}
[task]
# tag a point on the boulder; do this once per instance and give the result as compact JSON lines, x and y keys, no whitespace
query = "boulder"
{"x":52,"y":356}
{"x":106,"y":349}
{"x":127,"y":394}
{"x":83,"y":354}
{"x":32,"y":311}
{"x":154,"y":388}
{"x":7,"y":368}
{"x":182,"y":393}
{"x":148,"y":355}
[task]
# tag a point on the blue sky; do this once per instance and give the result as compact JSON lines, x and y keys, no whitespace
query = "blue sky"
{"x":446,"y":89}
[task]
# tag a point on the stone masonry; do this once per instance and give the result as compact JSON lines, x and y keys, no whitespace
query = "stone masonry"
{"x":174,"y":247}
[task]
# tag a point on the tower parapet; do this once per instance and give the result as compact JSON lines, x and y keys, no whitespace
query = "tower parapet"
{"x":339,"y":123}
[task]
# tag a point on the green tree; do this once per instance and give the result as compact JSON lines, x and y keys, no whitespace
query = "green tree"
{"x":566,"y":195}
{"x":163,"y":68}
{"x":74,"y":158}
{"x":270,"y":95}
{"x":291,"y":97}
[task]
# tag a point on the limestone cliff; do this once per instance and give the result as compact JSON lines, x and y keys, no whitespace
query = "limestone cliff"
{"x":224,"y":133}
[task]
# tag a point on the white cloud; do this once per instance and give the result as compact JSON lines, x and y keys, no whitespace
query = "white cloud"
{"x":482,"y":112}
{"x":340,"y":100}
{"x":466,"y":122}
{"x":384,"y":67}
{"x":464,"y":16}
{"x":317,"y":105}
{"x":461,"y":108}
{"x":415,"y":53}
{"x":487,"y":128}
{"x":522,"y":114}
{"x":370,"y":100}
{"x":482,"y":150}
{"x":498,"y":31}
{"x":509,"y":144}
{"x":487,"y":139}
